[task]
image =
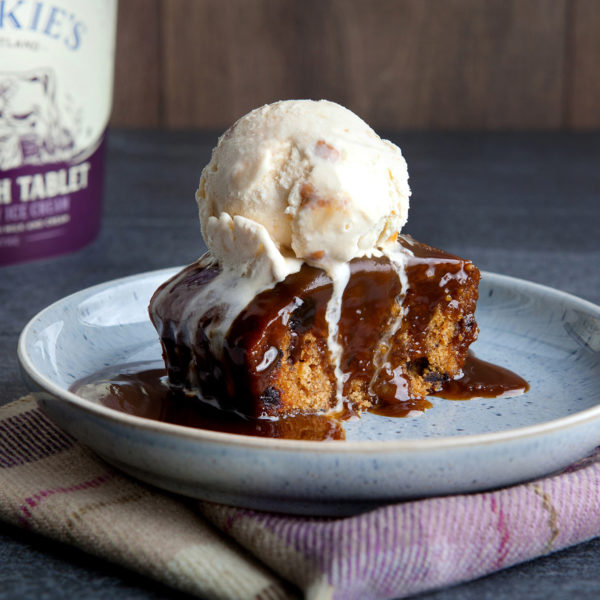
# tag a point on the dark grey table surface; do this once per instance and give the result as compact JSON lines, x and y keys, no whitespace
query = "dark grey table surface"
{"x":526,"y":205}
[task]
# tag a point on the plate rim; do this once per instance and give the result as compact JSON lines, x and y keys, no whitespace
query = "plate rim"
{"x":278,"y":444}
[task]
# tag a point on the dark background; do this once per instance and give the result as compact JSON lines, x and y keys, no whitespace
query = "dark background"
{"x":399,"y":64}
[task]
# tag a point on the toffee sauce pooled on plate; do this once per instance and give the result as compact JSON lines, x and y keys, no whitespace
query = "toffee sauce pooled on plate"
{"x":480,"y":379}
{"x":141,"y":389}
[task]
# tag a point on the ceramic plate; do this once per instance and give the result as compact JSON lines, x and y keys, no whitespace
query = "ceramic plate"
{"x":550,"y":338}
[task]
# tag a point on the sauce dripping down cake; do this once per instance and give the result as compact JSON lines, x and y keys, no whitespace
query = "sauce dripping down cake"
{"x":399,"y":341}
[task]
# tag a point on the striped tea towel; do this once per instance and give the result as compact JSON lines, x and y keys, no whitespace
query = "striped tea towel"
{"x":51,"y":484}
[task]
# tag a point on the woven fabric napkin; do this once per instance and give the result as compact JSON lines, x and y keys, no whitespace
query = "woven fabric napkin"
{"x":53,"y":485}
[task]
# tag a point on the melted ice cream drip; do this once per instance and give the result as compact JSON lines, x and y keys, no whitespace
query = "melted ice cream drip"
{"x":227,"y":293}
{"x":340,"y":275}
{"x":398,"y":257}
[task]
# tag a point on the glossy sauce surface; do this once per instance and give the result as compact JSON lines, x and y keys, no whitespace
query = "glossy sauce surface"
{"x":482,"y":379}
{"x":141,"y":389}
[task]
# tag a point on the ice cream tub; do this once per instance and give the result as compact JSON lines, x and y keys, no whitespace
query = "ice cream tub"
{"x":56,"y":75}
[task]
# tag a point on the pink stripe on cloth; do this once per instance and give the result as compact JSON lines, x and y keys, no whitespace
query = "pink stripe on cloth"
{"x":407,"y":548}
{"x":35,"y":500}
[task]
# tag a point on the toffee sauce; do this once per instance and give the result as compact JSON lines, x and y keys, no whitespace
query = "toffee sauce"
{"x":482,"y":379}
{"x":141,"y":389}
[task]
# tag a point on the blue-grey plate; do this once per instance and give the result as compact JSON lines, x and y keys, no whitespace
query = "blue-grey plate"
{"x":550,"y":338}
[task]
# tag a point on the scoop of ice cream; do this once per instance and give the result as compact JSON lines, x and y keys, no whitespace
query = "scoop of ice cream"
{"x":321,"y":182}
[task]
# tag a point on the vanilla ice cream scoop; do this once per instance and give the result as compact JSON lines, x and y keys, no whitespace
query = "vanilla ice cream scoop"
{"x":324,"y":186}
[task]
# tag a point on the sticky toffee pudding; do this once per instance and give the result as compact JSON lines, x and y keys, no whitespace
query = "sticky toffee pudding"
{"x":309,"y":306}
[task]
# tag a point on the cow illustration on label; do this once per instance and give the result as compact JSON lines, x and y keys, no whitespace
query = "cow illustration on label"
{"x":31,"y":129}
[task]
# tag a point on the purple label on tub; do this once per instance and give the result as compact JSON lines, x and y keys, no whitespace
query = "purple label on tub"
{"x":50,"y":209}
